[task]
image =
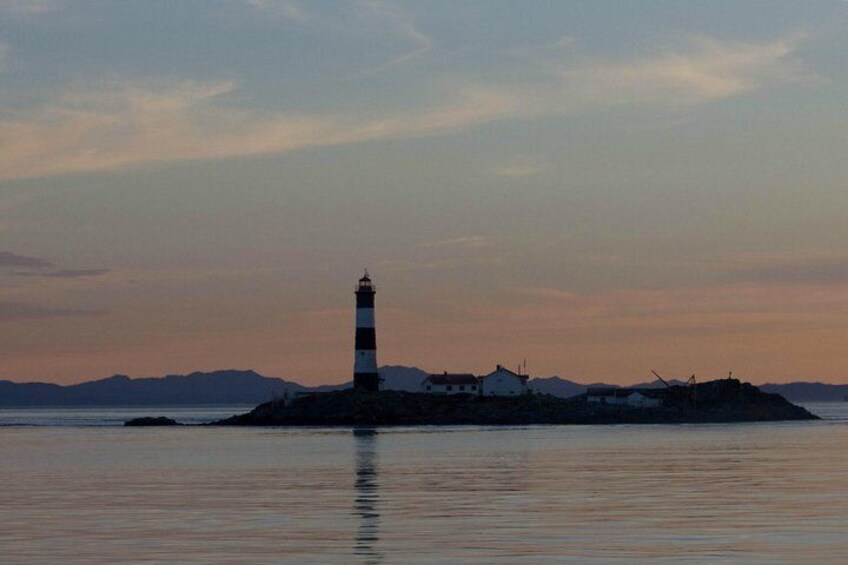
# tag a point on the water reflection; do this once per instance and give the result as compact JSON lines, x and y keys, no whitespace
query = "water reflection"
{"x":367,"y":496}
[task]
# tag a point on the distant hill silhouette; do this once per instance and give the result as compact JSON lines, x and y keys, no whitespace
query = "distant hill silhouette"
{"x":809,"y":392}
{"x":656,"y":383}
{"x":564,"y":388}
{"x":395,"y":377}
{"x":403,"y":378}
{"x":219,"y":387}
{"x":249,"y":387}
{"x":556,"y":386}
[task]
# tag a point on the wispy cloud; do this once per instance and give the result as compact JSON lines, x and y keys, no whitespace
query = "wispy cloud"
{"x":41,"y":268}
{"x":283,"y":8}
{"x":520,"y":167}
{"x":9,"y":259}
{"x":465,"y":241}
{"x":726,"y":308}
{"x":65,"y":273}
{"x":674,"y":81}
{"x":565,"y":42}
{"x":125,"y":124}
{"x":29,"y":7}
{"x":119,"y":124}
{"x":463,"y":253}
{"x":708,"y":70}
{"x":811,"y":267}
{"x":16,"y":311}
{"x":369,"y":19}
{"x":401,"y":26}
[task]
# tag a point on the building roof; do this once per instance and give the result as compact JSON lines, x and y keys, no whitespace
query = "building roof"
{"x":452,"y":379}
{"x":501,"y":369}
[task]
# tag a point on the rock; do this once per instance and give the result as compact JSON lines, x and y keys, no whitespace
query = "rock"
{"x":152,"y":421}
{"x":726,"y":400}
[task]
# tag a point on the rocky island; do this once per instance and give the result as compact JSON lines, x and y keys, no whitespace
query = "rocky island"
{"x":152,"y":421}
{"x":726,"y":400}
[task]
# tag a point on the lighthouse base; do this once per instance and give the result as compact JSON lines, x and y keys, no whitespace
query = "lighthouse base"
{"x":366,"y":382}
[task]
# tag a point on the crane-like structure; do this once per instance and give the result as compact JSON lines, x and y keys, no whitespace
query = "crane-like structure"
{"x":691,"y":389}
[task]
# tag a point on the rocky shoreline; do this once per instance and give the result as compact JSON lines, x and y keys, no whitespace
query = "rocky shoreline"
{"x":726,"y":400}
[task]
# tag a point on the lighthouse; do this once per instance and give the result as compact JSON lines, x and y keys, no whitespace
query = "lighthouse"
{"x":365,"y":375}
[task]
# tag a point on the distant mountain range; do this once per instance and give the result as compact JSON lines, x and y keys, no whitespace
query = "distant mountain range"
{"x":219,"y":387}
{"x":248,"y":387}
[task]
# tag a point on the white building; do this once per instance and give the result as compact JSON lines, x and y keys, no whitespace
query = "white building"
{"x":641,"y":398}
{"x":503,"y":382}
{"x":448,"y":383}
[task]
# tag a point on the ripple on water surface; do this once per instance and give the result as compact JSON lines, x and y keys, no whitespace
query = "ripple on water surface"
{"x":752,"y":493}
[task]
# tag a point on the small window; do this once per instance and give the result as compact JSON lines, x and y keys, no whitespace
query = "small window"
{"x":449,"y":387}
{"x":429,"y":387}
{"x":473,"y":387}
{"x":461,"y":387}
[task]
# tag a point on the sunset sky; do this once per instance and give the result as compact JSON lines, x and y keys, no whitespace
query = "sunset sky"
{"x":602,"y":188}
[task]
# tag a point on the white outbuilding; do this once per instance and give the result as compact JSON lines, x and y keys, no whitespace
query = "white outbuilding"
{"x":641,"y":398}
{"x":503,"y":382}
{"x":451,"y":383}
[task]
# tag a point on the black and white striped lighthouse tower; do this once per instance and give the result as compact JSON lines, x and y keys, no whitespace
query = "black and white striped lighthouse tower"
{"x":365,"y":375}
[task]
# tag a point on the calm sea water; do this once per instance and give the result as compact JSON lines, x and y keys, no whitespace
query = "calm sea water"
{"x":78,"y":490}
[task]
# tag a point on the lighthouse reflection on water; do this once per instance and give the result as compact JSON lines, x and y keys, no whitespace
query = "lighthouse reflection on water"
{"x":367,"y":495}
